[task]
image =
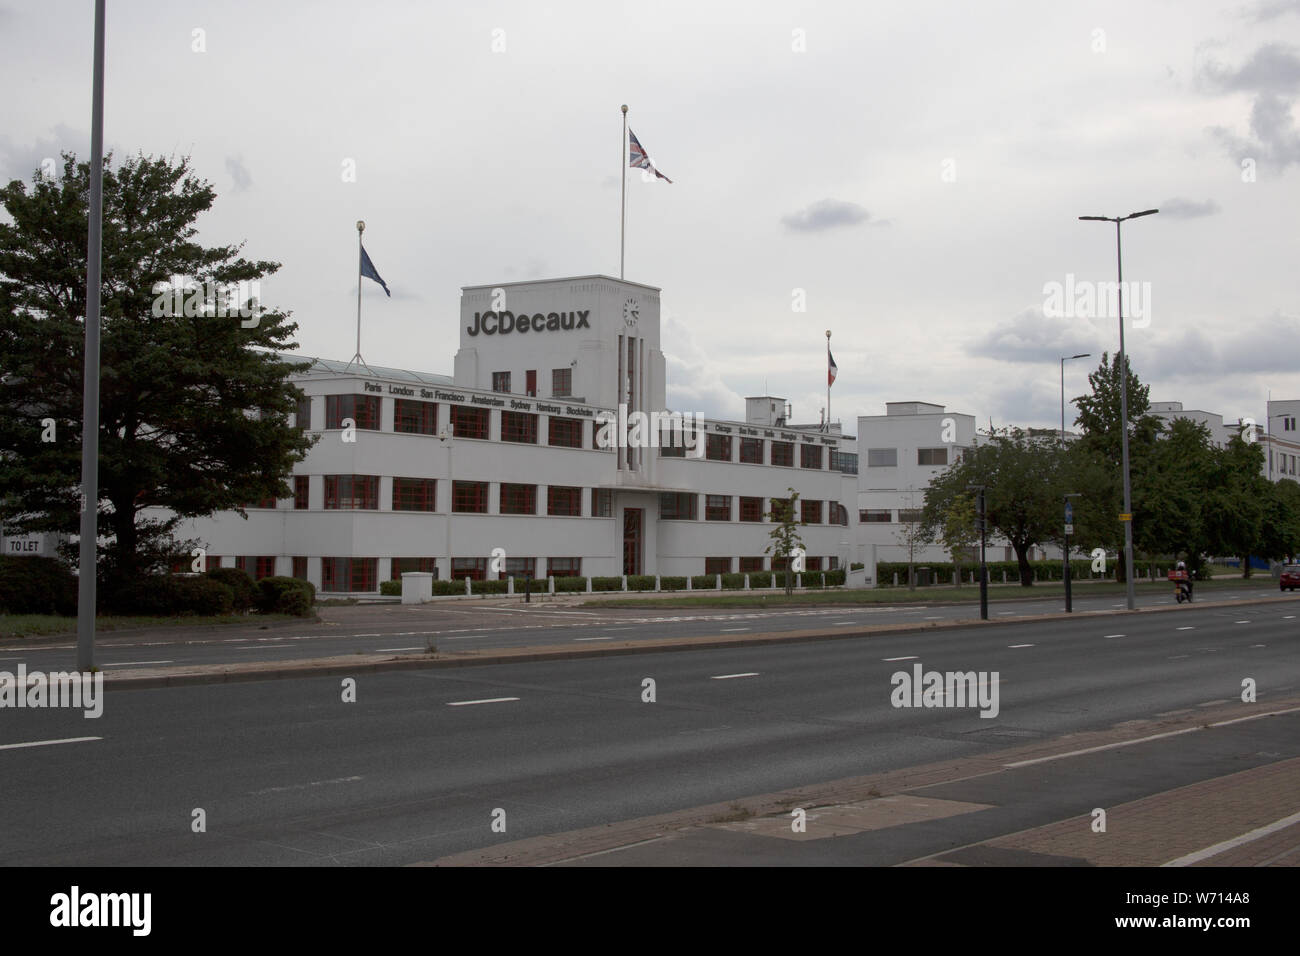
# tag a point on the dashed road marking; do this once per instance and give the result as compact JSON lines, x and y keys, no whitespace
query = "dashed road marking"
{"x":48,"y":743}
{"x":486,"y":700}
{"x":134,"y":663}
{"x":730,"y":676}
{"x":910,"y":657}
{"x":1014,"y":646}
{"x":1109,"y":636}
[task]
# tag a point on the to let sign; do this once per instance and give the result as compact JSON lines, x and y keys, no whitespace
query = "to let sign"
{"x":26,"y":545}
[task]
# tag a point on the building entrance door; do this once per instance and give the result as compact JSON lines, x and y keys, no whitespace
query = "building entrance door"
{"x":632,"y":522}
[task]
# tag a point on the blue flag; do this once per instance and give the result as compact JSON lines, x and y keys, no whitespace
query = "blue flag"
{"x":368,"y":270}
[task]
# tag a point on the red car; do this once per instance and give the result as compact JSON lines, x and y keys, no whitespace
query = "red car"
{"x":1290,"y":577}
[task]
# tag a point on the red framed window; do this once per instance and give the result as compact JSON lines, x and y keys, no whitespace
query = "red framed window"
{"x":564,"y":432}
{"x":469,"y":422}
{"x":362,"y":409}
{"x":669,"y":450}
{"x":751,"y":509}
{"x":413,"y":417}
{"x":521,"y":567}
{"x":257,"y":567}
{"x":717,"y":447}
{"x":518,"y":500}
{"x":211,"y":561}
{"x":564,"y":567}
{"x":561,"y":382}
{"x":680,"y":505}
{"x":812,"y":564}
{"x":500,"y":381}
{"x":564,"y":501}
{"x":519,"y":427}
{"x":469,"y":497}
{"x":300,"y":567}
{"x":750,"y":565}
{"x":810,"y":456}
{"x":349,"y":574}
{"x":602,"y":502}
{"x":262,"y":503}
{"x":415,"y":494}
{"x":398,"y":565}
{"x":301,"y":492}
{"x":810,"y":511}
{"x":530,"y":382}
{"x":717,"y":565}
{"x":717,"y":508}
{"x":783,"y":454}
{"x":473,"y":568}
{"x":751,"y":451}
{"x":352,"y":492}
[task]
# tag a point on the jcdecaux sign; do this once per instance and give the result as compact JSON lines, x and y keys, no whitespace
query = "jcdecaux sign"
{"x":490,"y":323}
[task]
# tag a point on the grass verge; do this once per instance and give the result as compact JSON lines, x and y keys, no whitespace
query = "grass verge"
{"x":51,"y":625}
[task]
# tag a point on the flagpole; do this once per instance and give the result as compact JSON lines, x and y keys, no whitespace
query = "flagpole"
{"x":361,"y":227}
{"x":828,"y":381}
{"x":622,"y":219}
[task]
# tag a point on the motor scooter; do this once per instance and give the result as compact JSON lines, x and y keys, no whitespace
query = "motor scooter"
{"x":1182,"y":586}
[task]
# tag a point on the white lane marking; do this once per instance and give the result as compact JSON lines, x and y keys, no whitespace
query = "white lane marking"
{"x":1288,"y":617}
{"x":735,"y":629}
{"x":619,"y":629}
{"x":1215,"y":703}
{"x":935,"y":617}
{"x":1259,"y":645}
{"x":365,"y":635}
{"x":841,"y":623}
{"x":486,"y":700}
{"x":387,"y":650}
{"x":1014,"y":646}
{"x":730,"y":676}
{"x":1117,"y":605}
{"x":1189,"y":627}
{"x":911,"y":657}
{"x":593,"y":638}
{"x":1241,"y":622}
{"x":1109,"y":636}
{"x":1249,"y":837}
{"x":46,"y":743}
{"x":133,"y":663}
{"x":1177,"y":657}
{"x":302,"y":786}
{"x":1008,"y":612}
{"x":263,"y":647}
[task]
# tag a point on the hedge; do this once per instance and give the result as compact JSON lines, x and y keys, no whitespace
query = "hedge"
{"x":941,"y":571}
{"x":280,"y":595}
{"x":241,"y":585}
{"x":166,"y":595}
{"x":36,"y":585}
{"x":635,"y":582}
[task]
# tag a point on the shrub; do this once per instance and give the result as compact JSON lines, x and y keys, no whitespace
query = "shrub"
{"x":241,"y":585}
{"x":562,"y":584}
{"x":36,"y":585}
{"x":608,"y":584}
{"x":391,"y":588}
{"x":165,"y":595}
{"x":675,"y":582}
{"x":280,"y":595}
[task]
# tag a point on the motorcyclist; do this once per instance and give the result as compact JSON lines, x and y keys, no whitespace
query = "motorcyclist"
{"x":1186,"y":584}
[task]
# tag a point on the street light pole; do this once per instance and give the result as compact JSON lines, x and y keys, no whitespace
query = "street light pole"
{"x":1127,"y":516}
{"x":445,"y":436}
{"x":1064,"y":359}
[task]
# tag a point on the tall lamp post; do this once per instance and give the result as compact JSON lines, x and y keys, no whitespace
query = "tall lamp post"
{"x":1064,"y":359}
{"x":445,"y":436}
{"x":1127,"y":516}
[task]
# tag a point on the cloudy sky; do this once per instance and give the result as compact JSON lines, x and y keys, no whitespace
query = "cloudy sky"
{"x":912,"y":171}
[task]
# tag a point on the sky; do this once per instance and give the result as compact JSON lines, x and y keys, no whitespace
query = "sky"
{"x":907,"y":175}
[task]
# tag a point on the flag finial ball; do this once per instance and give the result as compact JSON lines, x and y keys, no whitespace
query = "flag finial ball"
{"x":624,"y":107}
{"x":361,"y":225}
{"x":828,"y":333}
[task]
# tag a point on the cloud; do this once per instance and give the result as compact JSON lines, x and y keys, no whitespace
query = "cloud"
{"x":826,"y":214}
{"x":19,"y":161}
{"x":533,"y":268}
{"x":1273,"y":75}
{"x":239,"y":173}
{"x":1034,"y":338}
{"x":1266,"y":10}
{"x":1179,"y":208}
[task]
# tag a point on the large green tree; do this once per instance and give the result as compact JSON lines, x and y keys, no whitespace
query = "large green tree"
{"x":1023,"y":479}
{"x":194,"y":408}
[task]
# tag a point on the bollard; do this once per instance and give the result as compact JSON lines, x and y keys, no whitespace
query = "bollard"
{"x":746,"y":582}
{"x":528,"y":588}
{"x":656,"y":582}
{"x":719,"y":581}
{"x":468,"y":589}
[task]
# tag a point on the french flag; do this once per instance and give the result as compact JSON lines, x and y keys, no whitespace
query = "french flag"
{"x":831,"y":369}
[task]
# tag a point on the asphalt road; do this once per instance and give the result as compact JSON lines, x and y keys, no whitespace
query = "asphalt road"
{"x":388,"y":629}
{"x":287,"y":773}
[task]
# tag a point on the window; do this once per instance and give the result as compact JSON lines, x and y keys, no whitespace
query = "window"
{"x":518,"y":499}
{"x":564,"y":432}
{"x":564,"y":567}
{"x":602,"y":502}
{"x":717,"y":565}
{"x":564,"y":501}
{"x":500,"y":381}
{"x":530,"y":382}
{"x":909,"y":515}
{"x":261,"y":503}
{"x":469,"y":497}
{"x":751,"y":509}
{"x":415,"y":494}
{"x":473,"y":568}
{"x":749,"y":565}
{"x":932,"y":456}
{"x":469,"y":422}
{"x":300,"y":567}
{"x":717,"y":447}
{"x":349,"y":574}
{"x":841,"y":516}
{"x":681,"y":505}
{"x":606,"y":431}
{"x":415,"y":418}
{"x":352,"y":492}
{"x":751,"y":451}
{"x":519,"y":426}
{"x":783,"y":454}
{"x":561,"y":382}
{"x":876,"y":516}
{"x":845,"y":462}
{"x":211,"y":561}
{"x":717,"y":508}
{"x":362,"y":409}
{"x":810,"y":456}
{"x":882,"y":457}
{"x":812,"y":564}
{"x":302,"y":414}
{"x":301,"y":492}
{"x":521,"y":567}
{"x":399,"y":566}
{"x":667,"y":449}
{"x":810,"y":511}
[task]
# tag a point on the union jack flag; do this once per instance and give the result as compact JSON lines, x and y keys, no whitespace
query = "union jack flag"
{"x":638,"y":158}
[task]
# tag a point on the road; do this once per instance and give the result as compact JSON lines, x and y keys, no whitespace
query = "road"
{"x":287,"y":773}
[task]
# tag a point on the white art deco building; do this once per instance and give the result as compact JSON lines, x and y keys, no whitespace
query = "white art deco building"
{"x":504,"y":457}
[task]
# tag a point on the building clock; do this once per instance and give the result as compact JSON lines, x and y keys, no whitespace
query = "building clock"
{"x":631,"y":312}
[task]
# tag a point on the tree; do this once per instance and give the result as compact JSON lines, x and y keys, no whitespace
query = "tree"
{"x":912,"y":534}
{"x":1237,"y":496}
{"x":194,"y":403}
{"x":1279,"y":536}
{"x":785,"y":537}
{"x":1023,"y":487}
{"x":1171,"y":493}
{"x":958,"y":531}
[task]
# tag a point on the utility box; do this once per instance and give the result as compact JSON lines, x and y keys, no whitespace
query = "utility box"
{"x":417,"y":587}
